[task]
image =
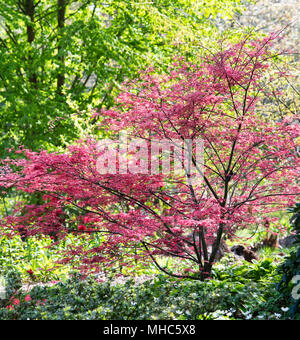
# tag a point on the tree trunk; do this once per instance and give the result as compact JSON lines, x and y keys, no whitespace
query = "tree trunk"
{"x":29,"y":11}
{"x":61,"y":13}
{"x":216,"y":246}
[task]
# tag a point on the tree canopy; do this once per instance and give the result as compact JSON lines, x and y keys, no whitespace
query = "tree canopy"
{"x":62,"y":58}
{"x":246,"y":172}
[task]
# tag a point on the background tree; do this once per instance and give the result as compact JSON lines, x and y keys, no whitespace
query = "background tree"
{"x":61,"y":58}
{"x":267,"y":16}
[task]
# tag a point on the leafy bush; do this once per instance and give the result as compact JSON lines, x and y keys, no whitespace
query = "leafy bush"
{"x":263,"y":271}
{"x":242,"y":293}
{"x":291,"y":267}
{"x":34,"y":258}
{"x":12,"y":284}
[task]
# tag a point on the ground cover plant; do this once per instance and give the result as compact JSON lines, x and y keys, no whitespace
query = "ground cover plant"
{"x":236,"y":292}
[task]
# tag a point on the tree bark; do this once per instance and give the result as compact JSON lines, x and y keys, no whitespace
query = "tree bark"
{"x":216,"y":246}
{"x":29,"y":9}
{"x":61,"y":17}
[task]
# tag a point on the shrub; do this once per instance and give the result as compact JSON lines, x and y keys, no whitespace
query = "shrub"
{"x":291,"y":267}
{"x":244,"y":294}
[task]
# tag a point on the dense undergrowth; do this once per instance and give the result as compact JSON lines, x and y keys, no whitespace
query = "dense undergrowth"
{"x":236,"y":291}
{"x":36,"y":287}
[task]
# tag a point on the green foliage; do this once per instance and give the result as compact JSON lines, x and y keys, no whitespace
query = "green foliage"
{"x":291,"y":267}
{"x":60,"y":59}
{"x":33,"y":255}
{"x":12,"y":284}
{"x":160,"y":298}
{"x":237,"y":290}
{"x":263,"y":271}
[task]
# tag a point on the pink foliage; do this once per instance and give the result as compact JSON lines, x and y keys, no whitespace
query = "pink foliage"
{"x":250,"y":167}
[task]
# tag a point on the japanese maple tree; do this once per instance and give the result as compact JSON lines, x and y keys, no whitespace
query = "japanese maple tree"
{"x":248,"y":169}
